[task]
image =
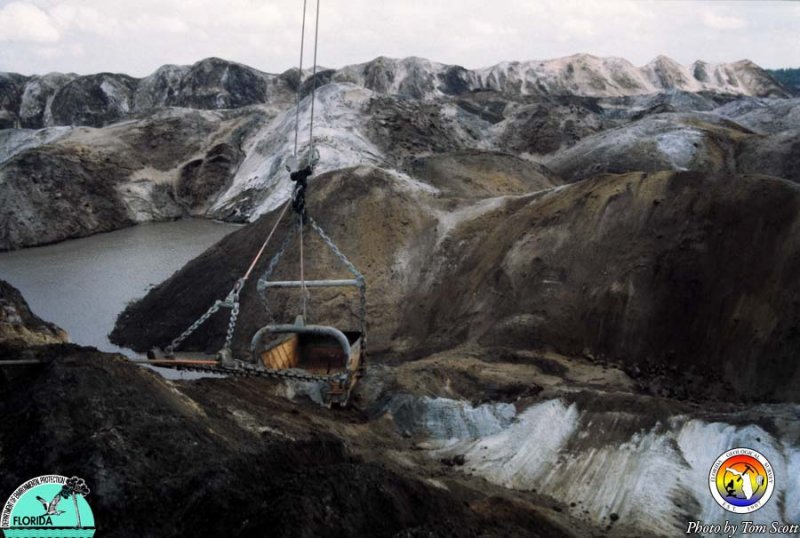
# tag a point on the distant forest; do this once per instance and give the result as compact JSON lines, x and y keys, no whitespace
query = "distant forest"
{"x":790,"y":78}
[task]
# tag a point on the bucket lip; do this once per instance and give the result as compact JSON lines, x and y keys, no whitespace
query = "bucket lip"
{"x":353,"y":336}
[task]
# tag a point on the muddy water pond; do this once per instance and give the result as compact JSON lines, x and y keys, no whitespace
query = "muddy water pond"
{"x":83,"y":284}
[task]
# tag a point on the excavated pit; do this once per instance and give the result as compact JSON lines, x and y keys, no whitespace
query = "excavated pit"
{"x":545,"y":359}
{"x":676,"y":277}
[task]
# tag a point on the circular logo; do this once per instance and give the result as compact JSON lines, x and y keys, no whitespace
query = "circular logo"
{"x":741,"y":480}
{"x":48,"y":506}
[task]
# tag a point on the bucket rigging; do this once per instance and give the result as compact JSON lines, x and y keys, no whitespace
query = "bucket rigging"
{"x":302,"y":351}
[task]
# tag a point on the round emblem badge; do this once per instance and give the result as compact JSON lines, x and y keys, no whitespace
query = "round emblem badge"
{"x":741,"y":480}
{"x":47,"y":507}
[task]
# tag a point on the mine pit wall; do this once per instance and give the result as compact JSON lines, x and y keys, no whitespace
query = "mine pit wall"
{"x":73,"y":182}
{"x":647,"y":464}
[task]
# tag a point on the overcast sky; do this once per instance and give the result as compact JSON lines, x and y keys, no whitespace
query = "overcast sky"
{"x":136,"y":37}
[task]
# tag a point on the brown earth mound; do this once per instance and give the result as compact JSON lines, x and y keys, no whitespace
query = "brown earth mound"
{"x":481,"y":174}
{"x":219,"y":457}
{"x":186,"y":467}
{"x":19,"y":326}
{"x":375,"y":217}
{"x":682,"y":277}
{"x":686,"y":279}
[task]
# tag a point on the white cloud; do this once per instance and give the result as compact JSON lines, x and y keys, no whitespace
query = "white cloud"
{"x":154,"y":23}
{"x":577,"y":28}
{"x":723,"y":22}
{"x":138,"y":36}
{"x":247,"y":14}
{"x":55,"y":52}
{"x":484,"y":28}
{"x":20,"y":21}
{"x":76,"y":17}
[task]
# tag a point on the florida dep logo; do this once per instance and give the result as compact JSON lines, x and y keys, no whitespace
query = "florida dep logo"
{"x":50,"y":506}
{"x":741,"y":480}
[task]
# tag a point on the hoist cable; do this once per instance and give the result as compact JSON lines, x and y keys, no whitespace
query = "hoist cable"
{"x":313,"y":89}
{"x":299,"y":81}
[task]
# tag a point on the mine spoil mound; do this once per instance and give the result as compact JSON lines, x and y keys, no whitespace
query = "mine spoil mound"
{"x":480,"y":174}
{"x":215,"y":457}
{"x":686,"y":280}
{"x":19,"y":326}
{"x":166,"y":464}
{"x":51,"y":194}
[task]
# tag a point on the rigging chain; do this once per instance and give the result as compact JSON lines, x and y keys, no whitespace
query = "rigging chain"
{"x":232,"y":299}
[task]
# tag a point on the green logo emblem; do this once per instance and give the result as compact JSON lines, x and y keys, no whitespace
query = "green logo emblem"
{"x":50,"y":506}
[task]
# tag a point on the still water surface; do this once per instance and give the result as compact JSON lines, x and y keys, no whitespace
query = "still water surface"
{"x":82,"y":285}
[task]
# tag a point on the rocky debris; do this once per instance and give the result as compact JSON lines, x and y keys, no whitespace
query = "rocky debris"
{"x":747,"y":135}
{"x":585,"y":428}
{"x":478,"y":174}
{"x":549,"y":125}
{"x":488,"y":105}
{"x":104,"y":98}
{"x":19,"y":327}
{"x":666,"y":72}
{"x":231,"y":456}
{"x":51,"y":193}
{"x":94,"y":100}
{"x":213,"y":83}
{"x":401,"y":127}
{"x":412,"y":77}
{"x":167,"y":138}
{"x":160,"y":89}
{"x":579,"y":74}
{"x":766,"y":116}
{"x":229,"y":163}
{"x":340,"y":137}
{"x":635,"y":107}
{"x":181,"y":467}
{"x":63,"y":183}
{"x":636,"y":270}
{"x":470,"y":441}
{"x":667,"y":141}
{"x":11,"y":88}
{"x":584,"y":74}
{"x":201,"y":179}
{"x":750,"y":135}
{"x":37,"y":100}
{"x":14,"y":141}
{"x":600,"y":439}
{"x":582,"y":431}
{"x":775,"y":155}
{"x":621,"y":323}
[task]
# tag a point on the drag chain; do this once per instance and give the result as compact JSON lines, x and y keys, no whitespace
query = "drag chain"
{"x":248,"y":370}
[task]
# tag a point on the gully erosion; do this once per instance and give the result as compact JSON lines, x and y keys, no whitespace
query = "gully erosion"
{"x":577,"y":295}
